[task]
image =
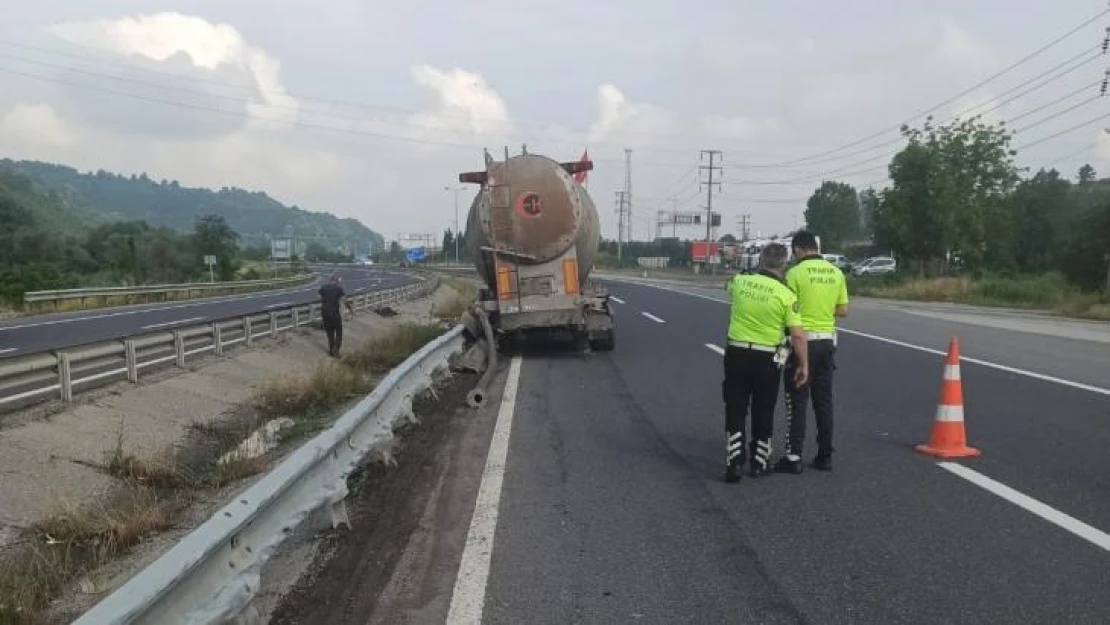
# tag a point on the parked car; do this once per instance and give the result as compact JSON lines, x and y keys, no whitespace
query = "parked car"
{"x":876,"y":266}
{"x":839,"y":260}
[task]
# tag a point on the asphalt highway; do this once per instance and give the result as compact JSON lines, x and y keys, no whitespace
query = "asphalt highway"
{"x":610,"y":504}
{"x":28,"y":335}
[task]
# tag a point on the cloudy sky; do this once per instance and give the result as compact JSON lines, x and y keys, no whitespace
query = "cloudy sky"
{"x":369,"y":109}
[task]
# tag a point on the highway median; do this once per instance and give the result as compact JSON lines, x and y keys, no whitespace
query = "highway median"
{"x":155,"y":460}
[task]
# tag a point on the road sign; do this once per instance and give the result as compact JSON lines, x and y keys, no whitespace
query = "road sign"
{"x":209,"y":260}
{"x":415,"y":255}
{"x":281,"y":249}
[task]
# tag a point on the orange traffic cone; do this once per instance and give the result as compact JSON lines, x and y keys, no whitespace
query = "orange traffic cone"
{"x":948,"y":438}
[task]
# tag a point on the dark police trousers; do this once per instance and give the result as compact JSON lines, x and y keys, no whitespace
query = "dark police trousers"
{"x":822,"y":364}
{"x":333,"y":327}
{"x":751,"y":379}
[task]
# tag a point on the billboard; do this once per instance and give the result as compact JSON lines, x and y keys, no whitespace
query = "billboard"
{"x":698,"y":248}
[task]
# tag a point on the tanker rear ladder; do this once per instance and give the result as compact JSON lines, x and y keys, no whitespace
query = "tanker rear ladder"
{"x":546,"y":291}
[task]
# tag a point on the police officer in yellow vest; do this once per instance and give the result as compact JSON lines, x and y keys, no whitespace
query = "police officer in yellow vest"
{"x":763,"y":308}
{"x":823,"y":294}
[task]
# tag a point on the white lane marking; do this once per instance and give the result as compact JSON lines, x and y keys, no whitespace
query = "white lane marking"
{"x":7,"y":350}
{"x":716,"y":348}
{"x":149,"y":310}
{"x":172,"y":323}
{"x":280,"y":304}
{"x":1048,"y":513}
{"x":986,"y":363}
{"x":469,"y":596}
{"x":652,"y":317}
{"x":617,"y":300}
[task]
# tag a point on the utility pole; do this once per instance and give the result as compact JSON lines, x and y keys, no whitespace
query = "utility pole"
{"x":745,"y":225}
{"x":714,"y":156}
{"x":621,"y":199}
{"x":628,"y":191}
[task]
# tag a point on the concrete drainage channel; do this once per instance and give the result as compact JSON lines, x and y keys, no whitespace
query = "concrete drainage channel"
{"x":212,"y":575}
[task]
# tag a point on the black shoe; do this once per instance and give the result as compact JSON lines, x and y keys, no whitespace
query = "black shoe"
{"x":760,"y":471}
{"x":786,"y":465}
{"x":732,"y":473}
{"x":822,"y":462}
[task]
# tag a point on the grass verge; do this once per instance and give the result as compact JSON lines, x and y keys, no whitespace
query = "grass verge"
{"x":156,"y":487}
{"x":1047,"y":292}
{"x":465,"y":293}
{"x":74,"y":543}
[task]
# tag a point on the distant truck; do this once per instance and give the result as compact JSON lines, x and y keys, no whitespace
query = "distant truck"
{"x":534,"y":234}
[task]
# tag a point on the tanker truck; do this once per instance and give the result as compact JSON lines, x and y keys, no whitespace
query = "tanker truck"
{"x":533,"y":233}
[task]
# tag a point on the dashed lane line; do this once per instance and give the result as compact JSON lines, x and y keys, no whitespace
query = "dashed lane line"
{"x":617,"y":300}
{"x":986,"y":363}
{"x":652,"y":317}
{"x":715,"y":348}
{"x":469,"y":595}
{"x":1046,"y":512}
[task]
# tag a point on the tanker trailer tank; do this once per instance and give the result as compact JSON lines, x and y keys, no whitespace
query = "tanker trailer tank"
{"x":533,"y":233}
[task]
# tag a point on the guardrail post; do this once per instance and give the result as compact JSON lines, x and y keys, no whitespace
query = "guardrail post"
{"x":132,"y":361}
{"x":273,"y":324}
{"x":65,"y":377}
{"x":296,"y":317}
{"x":218,"y":338}
{"x":179,"y":348}
{"x":247,"y":339}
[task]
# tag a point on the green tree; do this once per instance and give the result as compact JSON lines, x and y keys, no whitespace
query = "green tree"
{"x":447,"y":248}
{"x":949,"y":191}
{"x":212,"y":236}
{"x":832,"y":212}
{"x":868,"y":205}
{"x":1086,"y":175}
{"x":1085,"y":255}
{"x":1042,"y":209}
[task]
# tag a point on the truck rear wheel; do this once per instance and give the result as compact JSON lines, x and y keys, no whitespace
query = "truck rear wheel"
{"x":606,"y":343}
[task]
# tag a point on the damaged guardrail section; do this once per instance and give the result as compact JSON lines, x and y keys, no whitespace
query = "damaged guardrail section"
{"x":211,"y":576}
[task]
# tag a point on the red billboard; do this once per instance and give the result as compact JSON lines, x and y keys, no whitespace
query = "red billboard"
{"x":697,"y":251}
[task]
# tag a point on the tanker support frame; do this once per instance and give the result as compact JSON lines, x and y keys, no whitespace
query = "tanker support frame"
{"x":589,"y":320}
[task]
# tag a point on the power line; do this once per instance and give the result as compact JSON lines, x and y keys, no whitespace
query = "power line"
{"x":952,"y":99}
{"x":1063,"y":132}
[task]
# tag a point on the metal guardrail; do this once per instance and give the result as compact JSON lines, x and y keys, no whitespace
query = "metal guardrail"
{"x":211,"y":576}
{"x":61,"y":374}
{"x":40,"y":301}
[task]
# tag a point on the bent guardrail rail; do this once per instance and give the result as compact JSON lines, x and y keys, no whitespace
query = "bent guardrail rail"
{"x":61,"y":373}
{"x":52,"y":301}
{"x":211,"y":576}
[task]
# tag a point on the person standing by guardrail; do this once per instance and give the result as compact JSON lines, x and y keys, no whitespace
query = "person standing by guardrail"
{"x":762,"y":309}
{"x":823,"y":294}
{"x":331,"y":296}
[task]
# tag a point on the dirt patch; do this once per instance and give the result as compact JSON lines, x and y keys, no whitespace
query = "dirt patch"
{"x":390,"y":508}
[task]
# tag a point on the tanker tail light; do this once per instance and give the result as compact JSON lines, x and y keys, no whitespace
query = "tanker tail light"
{"x":570,"y":276}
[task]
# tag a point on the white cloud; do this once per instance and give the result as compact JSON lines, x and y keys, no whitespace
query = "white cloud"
{"x":617,"y":114}
{"x":466,"y":102}
{"x":210,"y":46}
{"x":35,"y":126}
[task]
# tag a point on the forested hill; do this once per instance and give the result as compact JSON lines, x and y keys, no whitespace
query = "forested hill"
{"x":105,"y":197}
